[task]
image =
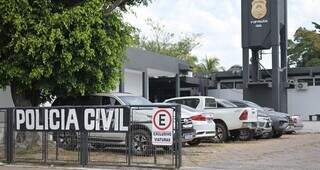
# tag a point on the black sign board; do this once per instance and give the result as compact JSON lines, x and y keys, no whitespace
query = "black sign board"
{"x":97,"y":119}
{"x":261,"y":22}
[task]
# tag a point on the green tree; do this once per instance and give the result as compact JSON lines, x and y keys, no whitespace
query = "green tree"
{"x":209,"y":66}
{"x":166,"y":43}
{"x":304,"y":51}
{"x":61,"y":48}
{"x":50,"y":48}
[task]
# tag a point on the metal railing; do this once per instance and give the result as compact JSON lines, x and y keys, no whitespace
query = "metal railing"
{"x":124,"y":139}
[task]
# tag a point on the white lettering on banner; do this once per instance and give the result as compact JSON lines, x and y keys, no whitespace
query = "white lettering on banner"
{"x":92,"y":119}
{"x":72,"y":120}
{"x":20,"y":118}
{"x":89,"y":124}
{"x":162,"y":126}
{"x":38,"y":125}
{"x":98,"y":118}
{"x":29,"y":119}
{"x":54,"y":125}
{"x":122,"y":128}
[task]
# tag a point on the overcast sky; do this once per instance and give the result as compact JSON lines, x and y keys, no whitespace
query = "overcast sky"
{"x":219,"y":22}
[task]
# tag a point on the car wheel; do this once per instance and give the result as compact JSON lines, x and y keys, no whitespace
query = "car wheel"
{"x":245,"y":134}
{"x":141,"y":142}
{"x":69,"y":141}
{"x":277,"y":134}
{"x":221,"y":132}
{"x":194,"y":142}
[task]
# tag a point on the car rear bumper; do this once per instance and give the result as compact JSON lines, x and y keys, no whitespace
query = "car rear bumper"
{"x":293,"y":128}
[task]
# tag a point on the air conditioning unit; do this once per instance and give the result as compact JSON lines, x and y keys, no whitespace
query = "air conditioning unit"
{"x":302,"y":86}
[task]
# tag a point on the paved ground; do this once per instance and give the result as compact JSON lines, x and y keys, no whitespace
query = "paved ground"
{"x":299,"y":151}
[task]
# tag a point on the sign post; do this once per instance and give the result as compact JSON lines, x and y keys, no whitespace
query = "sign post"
{"x":162,"y":127}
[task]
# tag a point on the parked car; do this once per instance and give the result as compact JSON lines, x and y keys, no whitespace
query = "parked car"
{"x":228,"y":121}
{"x":141,"y":132}
{"x":297,"y":124}
{"x":280,"y":121}
{"x":264,"y":126}
{"x":202,"y":123}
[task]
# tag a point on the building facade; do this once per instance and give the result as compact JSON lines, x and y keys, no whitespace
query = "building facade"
{"x":303,"y":90}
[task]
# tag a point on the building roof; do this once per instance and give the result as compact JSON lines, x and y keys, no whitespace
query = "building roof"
{"x":139,"y":59}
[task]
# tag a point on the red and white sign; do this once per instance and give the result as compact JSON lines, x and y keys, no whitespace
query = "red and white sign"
{"x":162,"y":125}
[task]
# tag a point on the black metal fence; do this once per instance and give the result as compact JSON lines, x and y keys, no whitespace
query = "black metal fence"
{"x":47,"y":136}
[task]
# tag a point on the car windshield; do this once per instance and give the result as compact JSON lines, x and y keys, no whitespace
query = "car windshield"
{"x":135,"y":100}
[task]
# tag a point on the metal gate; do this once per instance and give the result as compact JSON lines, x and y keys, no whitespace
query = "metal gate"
{"x":31,"y":135}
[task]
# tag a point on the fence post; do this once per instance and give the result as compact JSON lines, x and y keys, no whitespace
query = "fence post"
{"x":178,"y":137}
{"x":9,"y":136}
{"x":129,"y":136}
{"x":84,"y":148}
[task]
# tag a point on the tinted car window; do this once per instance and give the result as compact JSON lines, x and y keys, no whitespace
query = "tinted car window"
{"x":110,"y":101}
{"x":193,"y":103}
{"x":210,"y":103}
{"x":135,"y":100}
{"x":77,"y":101}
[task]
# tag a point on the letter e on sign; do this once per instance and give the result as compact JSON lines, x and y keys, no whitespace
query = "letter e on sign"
{"x":162,"y":127}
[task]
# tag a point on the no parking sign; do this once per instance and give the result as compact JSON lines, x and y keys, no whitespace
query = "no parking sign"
{"x":162,"y":125}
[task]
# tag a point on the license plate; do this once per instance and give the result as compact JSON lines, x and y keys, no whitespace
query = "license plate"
{"x":188,"y":136}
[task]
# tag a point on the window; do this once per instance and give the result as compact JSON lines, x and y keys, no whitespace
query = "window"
{"x":220,"y":105}
{"x":308,"y":81}
{"x":135,"y":100}
{"x":110,"y":101}
{"x":193,"y":103}
{"x":226,"y":85}
{"x":317,"y":82}
{"x":210,"y":103}
{"x":239,"y":85}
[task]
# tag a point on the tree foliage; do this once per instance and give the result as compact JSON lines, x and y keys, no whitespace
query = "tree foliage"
{"x":57,"y":49}
{"x":209,"y":66}
{"x":163,"y":42}
{"x":304,"y":51}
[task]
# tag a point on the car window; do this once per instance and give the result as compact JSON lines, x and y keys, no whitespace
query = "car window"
{"x":193,"y":103}
{"x":226,"y":103}
{"x":210,"y":103}
{"x":135,"y":100}
{"x":220,"y":105}
{"x":110,"y":101}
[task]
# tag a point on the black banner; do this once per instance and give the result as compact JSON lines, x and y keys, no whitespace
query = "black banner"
{"x":97,"y":119}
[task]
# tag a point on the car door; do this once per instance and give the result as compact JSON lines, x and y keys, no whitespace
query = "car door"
{"x":112,"y":136}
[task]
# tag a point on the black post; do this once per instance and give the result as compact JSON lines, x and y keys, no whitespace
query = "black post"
{"x":245,"y":63}
{"x":275,"y":78}
{"x":9,"y":136}
{"x":284,"y":61}
{"x":84,"y":148}
{"x":177,"y":85}
{"x":255,"y":66}
{"x":178,"y":132}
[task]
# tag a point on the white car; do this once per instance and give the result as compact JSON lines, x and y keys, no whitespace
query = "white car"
{"x":229,"y":121}
{"x":297,"y":124}
{"x":202,"y":123}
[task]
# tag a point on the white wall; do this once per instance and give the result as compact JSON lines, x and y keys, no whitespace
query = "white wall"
{"x":300,"y":102}
{"x":133,"y":82}
{"x":235,"y":94}
{"x":304,"y":102}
